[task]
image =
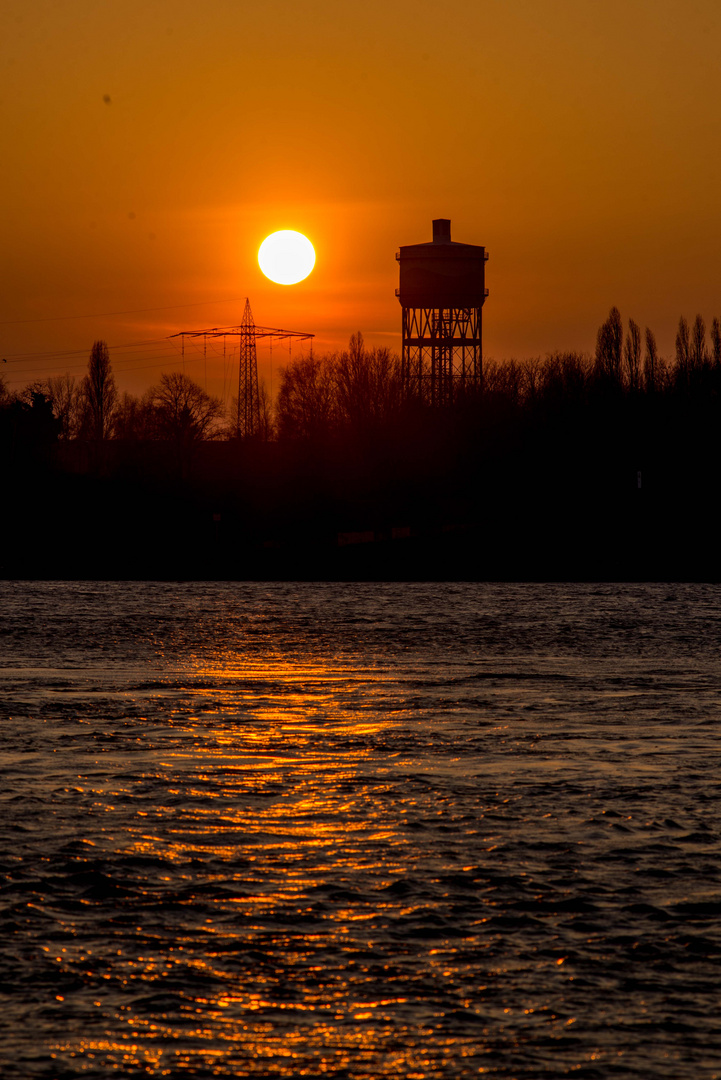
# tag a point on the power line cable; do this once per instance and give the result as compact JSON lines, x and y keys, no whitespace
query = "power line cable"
{"x":44,"y":366}
{"x":107,"y":314}
{"x":82,"y":367}
{"x":53,"y":354}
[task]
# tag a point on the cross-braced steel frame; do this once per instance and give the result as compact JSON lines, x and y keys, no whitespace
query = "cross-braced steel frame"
{"x":442,"y":354}
{"x":248,"y":414}
{"x":248,"y":418}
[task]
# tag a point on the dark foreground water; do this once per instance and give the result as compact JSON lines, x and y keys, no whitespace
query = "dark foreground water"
{"x":360,"y":831}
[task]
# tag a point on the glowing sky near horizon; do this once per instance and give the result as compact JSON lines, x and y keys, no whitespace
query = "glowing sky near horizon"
{"x":149,"y":147}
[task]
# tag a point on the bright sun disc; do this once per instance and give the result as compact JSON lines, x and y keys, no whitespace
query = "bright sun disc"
{"x":286,"y":257}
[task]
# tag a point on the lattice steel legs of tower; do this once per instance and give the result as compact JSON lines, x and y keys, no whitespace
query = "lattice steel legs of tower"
{"x":442,"y":355}
{"x":248,"y":420}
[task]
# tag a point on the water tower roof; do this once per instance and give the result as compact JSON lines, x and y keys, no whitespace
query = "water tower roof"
{"x":441,"y":246}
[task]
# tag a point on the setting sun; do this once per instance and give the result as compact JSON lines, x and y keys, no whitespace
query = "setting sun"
{"x":286,"y":257}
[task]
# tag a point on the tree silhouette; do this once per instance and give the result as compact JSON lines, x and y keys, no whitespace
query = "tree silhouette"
{"x":683,"y":353}
{"x":507,"y":380}
{"x":368,"y":385}
{"x":306,"y":399}
{"x":609,"y":346}
{"x":135,"y":418}
{"x":632,"y":355}
{"x":651,"y":363}
{"x":184,"y":413}
{"x":65,"y":396}
{"x":698,"y":354}
{"x":357,"y":390}
{"x":266,"y":430}
{"x":28,"y":425}
{"x":716,"y":343}
{"x":99,"y":392}
{"x":565,"y":376}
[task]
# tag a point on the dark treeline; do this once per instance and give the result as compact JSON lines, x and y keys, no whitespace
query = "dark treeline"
{"x":603,"y":466}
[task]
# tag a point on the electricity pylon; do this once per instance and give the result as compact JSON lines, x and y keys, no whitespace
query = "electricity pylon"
{"x":248,"y":416}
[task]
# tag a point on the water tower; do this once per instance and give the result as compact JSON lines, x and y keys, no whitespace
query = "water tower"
{"x":442,"y":290}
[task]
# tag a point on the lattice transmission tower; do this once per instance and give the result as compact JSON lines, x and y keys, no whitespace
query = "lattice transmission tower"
{"x":248,"y":415}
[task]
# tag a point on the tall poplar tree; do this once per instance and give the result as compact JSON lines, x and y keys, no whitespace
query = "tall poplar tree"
{"x":632,"y":355}
{"x":609,"y":346}
{"x":99,"y":392}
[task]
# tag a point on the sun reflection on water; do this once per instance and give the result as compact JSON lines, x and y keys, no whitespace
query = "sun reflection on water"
{"x":266,"y":808}
{"x":303,"y":855}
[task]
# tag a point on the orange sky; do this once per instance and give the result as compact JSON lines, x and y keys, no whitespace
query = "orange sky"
{"x":578,"y":140}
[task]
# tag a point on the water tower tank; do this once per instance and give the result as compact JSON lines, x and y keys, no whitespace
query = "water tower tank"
{"x":442,"y":273}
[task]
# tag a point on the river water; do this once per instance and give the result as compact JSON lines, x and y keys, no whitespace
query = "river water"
{"x":333,"y":830}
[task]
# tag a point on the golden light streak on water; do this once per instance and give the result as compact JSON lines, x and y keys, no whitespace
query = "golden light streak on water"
{"x":258,"y":840}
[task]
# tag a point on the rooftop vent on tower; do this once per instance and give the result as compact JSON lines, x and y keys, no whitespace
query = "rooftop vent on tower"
{"x":442,"y":231}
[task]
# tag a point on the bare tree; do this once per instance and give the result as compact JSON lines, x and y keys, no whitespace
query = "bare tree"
{"x":65,"y":396}
{"x":564,"y":376}
{"x":32,"y":390}
{"x":135,"y":418}
{"x":184,"y":413}
{"x":509,"y":379}
{"x":632,"y":355}
{"x":698,"y":354}
{"x":609,"y":346}
{"x":266,"y":431}
{"x":368,"y":385}
{"x":650,"y":363}
{"x":683,"y":352}
{"x":306,"y":400}
{"x":99,"y":392}
{"x":532,"y":378}
{"x":716,"y":343}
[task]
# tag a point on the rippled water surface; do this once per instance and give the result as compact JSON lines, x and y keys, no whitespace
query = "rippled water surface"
{"x":359,"y":830}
